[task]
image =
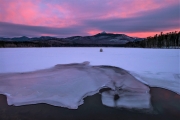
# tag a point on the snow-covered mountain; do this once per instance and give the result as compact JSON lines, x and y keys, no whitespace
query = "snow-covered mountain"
{"x":102,"y":38}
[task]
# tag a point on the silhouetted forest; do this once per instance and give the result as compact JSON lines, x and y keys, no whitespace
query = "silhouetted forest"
{"x":12,"y":44}
{"x":168,"y":40}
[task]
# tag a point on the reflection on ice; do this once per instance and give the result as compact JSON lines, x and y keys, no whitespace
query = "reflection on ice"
{"x":66,"y":85}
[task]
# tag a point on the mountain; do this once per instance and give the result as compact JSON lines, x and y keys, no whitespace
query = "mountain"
{"x":23,"y":38}
{"x":100,"y":39}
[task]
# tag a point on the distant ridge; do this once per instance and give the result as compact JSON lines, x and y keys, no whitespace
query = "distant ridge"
{"x":100,"y":39}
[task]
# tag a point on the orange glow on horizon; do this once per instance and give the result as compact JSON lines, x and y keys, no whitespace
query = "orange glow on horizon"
{"x":149,"y":34}
{"x":146,"y":34}
{"x":142,"y":34}
{"x":94,"y":32}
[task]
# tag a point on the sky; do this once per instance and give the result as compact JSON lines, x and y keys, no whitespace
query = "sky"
{"x":65,"y":18}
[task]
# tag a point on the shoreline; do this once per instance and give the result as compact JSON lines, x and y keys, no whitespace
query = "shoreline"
{"x":165,"y":103}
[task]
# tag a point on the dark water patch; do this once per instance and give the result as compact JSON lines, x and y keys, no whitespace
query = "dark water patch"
{"x":116,"y":97}
{"x":104,"y":89}
{"x":166,"y":105}
{"x":165,"y":102}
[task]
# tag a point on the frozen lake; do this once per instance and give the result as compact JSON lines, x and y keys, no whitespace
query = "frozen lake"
{"x":154,"y":67}
{"x":139,"y":60}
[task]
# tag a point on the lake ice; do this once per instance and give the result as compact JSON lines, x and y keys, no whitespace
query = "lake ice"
{"x":154,"y":67}
{"x":66,"y":85}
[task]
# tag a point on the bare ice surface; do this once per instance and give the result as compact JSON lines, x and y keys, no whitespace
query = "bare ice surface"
{"x":66,"y":85}
{"x":131,"y":59}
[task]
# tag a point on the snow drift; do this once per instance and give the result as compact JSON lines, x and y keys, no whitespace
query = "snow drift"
{"x":66,"y":85}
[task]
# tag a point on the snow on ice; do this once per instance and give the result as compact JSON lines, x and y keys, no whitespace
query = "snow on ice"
{"x":66,"y":85}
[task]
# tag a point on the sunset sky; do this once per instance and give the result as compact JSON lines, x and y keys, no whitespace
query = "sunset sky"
{"x":65,"y":18}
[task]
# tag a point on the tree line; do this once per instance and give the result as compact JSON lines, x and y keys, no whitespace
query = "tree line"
{"x":14,"y":44}
{"x":167,"y":40}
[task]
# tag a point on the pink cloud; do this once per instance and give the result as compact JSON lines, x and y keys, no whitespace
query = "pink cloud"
{"x":30,"y":13}
{"x":67,"y":13}
{"x":16,"y":11}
